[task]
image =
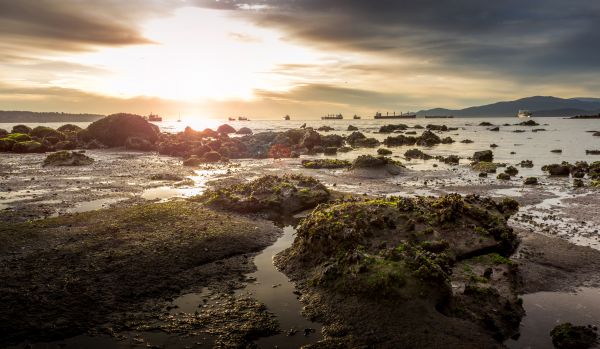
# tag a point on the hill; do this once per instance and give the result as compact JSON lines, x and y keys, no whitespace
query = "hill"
{"x":539,"y":105}
{"x":29,"y":116}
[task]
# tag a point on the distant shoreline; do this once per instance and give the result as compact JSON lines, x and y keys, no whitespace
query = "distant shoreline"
{"x":43,"y":117}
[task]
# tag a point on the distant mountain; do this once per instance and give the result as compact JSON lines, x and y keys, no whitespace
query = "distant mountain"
{"x":539,"y":105}
{"x":30,"y":116}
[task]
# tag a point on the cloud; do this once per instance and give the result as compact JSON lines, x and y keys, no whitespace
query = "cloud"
{"x":72,"y":25}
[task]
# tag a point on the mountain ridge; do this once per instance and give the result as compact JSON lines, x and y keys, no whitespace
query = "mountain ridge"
{"x":540,"y":105}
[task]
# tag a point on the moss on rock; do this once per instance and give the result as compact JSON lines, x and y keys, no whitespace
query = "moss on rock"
{"x":325,"y":163}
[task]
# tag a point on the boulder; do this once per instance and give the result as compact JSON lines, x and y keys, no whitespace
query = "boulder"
{"x":557,"y":169}
{"x":417,"y":154}
{"x":330,"y":150}
{"x":495,"y":129}
{"x":28,"y":147}
{"x":3,"y":133}
{"x":18,"y":137}
{"x":511,"y":171}
{"x":484,"y":155}
{"x":437,"y":127}
{"x":392,"y":128}
{"x":244,"y":131}
{"x":114,"y":130}
{"x":66,"y":158}
{"x":325,"y":128}
{"x":428,"y":139}
{"x":568,"y":336}
{"x":332,"y":141}
{"x":65,"y":145}
{"x":137,"y":143}
{"x":21,"y":129}
{"x":44,"y":132}
{"x":527,"y":164}
{"x":530,"y":181}
{"x":225,"y":129}
{"x":69,"y":128}
{"x":384,"y":151}
{"x":310,"y":139}
{"x":503,"y":176}
{"x":354,"y":128}
{"x":6,"y":144}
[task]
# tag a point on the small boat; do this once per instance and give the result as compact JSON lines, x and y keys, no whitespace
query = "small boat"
{"x":287,"y":117}
{"x":524,"y":114}
{"x":407,"y":115}
{"x":179,"y":118}
{"x":356,"y":117}
{"x":332,"y":117}
{"x":154,"y":117}
{"x":231,"y":119}
{"x":241,"y":118}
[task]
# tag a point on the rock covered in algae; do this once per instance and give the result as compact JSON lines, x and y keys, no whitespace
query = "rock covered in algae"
{"x":66,"y":158}
{"x":325,"y":163}
{"x":567,"y":336}
{"x":406,"y":249}
{"x":272,"y":194}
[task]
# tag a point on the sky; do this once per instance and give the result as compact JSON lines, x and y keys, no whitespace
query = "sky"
{"x":305,"y":58}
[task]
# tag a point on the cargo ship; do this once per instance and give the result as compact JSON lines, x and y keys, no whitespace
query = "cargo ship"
{"x":356,"y":117}
{"x":154,"y":117}
{"x":287,"y":117}
{"x":332,"y":117}
{"x":407,"y":115}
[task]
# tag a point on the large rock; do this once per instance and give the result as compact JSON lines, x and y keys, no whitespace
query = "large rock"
{"x":66,"y":158}
{"x":311,"y":139}
{"x":114,"y":130}
{"x":226,"y":129}
{"x":484,"y":155}
{"x":557,"y":169}
{"x":69,"y":128}
{"x":428,"y":139}
{"x":28,"y":147}
{"x":44,"y":132}
{"x":244,"y":131}
{"x":21,"y":129}
{"x":270,"y":194}
{"x":3,"y":133}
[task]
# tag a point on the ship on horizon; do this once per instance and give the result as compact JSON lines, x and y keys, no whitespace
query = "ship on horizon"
{"x":524,"y":114}
{"x":332,"y":117}
{"x":153,"y":117}
{"x":407,"y":115}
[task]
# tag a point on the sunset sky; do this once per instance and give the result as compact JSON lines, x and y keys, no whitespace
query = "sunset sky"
{"x":265,"y":59}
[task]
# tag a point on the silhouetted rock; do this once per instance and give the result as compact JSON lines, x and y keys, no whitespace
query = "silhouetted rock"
{"x":484,"y":155}
{"x":66,"y":158}
{"x":114,"y":130}
{"x":226,"y":129}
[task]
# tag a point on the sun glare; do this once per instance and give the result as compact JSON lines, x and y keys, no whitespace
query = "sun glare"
{"x":199,"y":54}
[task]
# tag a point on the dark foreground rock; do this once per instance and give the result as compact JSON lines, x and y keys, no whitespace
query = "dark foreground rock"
{"x":567,"y":336}
{"x":367,"y":164}
{"x":114,"y":130}
{"x":63,"y":276}
{"x":269,"y":194}
{"x":393,"y":262}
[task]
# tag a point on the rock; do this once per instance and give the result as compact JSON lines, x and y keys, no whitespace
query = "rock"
{"x":557,"y":169}
{"x":530,"y":181}
{"x":450,"y":159}
{"x":18,"y":137}
{"x":21,"y":129}
{"x":28,"y":147}
{"x":483,"y":174}
{"x":44,"y":132}
{"x":352,"y":128}
{"x":114,"y":130}
{"x":193,"y":160}
{"x":6,"y":144}
{"x":597,"y":134}
{"x":271,"y":194}
{"x":484,"y":166}
{"x":568,"y":336}
{"x":592,"y":152}
{"x":447,"y":140}
{"x":344,"y":149}
{"x":503,"y":176}
{"x":330,"y":151}
{"x":466,"y":141}
{"x":137,"y":143}
{"x":528,"y":123}
{"x":244,"y":131}
{"x":310,"y":139}
{"x":495,"y":129}
{"x":556,"y":151}
{"x":66,"y":158}
{"x":417,"y":154}
{"x":484,"y":155}
{"x":380,"y":162}
{"x":94,"y":144}
{"x":65,"y":145}
{"x":212,"y":156}
{"x":69,"y":128}
{"x":526,"y":164}
{"x":392,"y":128}
{"x":578,"y":183}
{"x":437,"y":127}
{"x":511,"y":171}
{"x":325,"y":163}
{"x":3,"y":133}
{"x":332,"y":141}
{"x":384,"y":151}
{"x":325,"y":128}
{"x":493,"y":145}
{"x":485,"y":123}
{"x":428,"y":139}
{"x":400,"y":140}
{"x":225,"y":129}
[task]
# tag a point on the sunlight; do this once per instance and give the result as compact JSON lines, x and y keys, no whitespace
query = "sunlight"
{"x":200,"y":55}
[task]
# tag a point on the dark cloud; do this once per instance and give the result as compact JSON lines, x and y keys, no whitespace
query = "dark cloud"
{"x":71,"y":24}
{"x":526,"y":39}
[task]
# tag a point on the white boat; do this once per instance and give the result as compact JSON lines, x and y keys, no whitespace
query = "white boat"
{"x":524,"y":114}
